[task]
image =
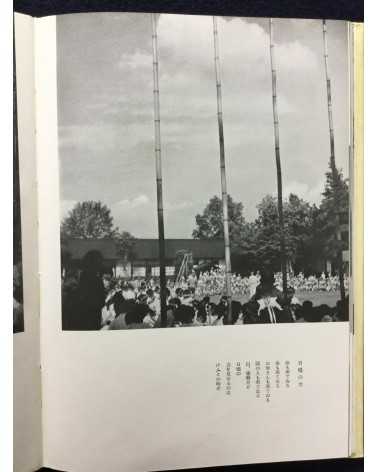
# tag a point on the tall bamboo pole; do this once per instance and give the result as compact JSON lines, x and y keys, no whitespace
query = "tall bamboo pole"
{"x":227,"y":251}
{"x":333,"y":161}
{"x":278,"y":161}
{"x":159,"y":179}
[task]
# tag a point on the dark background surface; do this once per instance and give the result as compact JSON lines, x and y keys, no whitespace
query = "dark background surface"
{"x":333,"y":465}
{"x":352,"y":10}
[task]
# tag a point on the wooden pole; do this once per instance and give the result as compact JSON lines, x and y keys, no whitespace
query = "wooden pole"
{"x":159,"y":179}
{"x":333,"y":161}
{"x":278,"y":161}
{"x":227,"y":251}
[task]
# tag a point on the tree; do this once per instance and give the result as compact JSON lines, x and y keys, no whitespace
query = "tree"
{"x":333,"y":212}
{"x":88,"y":220}
{"x":210,"y":223}
{"x":266,"y":244}
{"x":125,"y":242}
{"x":210,"y":226}
{"x":298,"y":232}
{"x":300,"y":219}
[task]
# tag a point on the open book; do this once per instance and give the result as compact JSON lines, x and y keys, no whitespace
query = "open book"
{"x":190,"y":172}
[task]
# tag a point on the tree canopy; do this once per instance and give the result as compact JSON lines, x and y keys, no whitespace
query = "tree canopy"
{"x":334,"y":210}
{"x":88,"y":220}
{"x":125,"y":244}
{"x":309,"y":229}
{"x":298,"y":225}
{"x":209,"y":224}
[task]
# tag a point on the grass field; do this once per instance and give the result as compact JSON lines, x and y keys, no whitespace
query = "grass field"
{"x":316,"y":297}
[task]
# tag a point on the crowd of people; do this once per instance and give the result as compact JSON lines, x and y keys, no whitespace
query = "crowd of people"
{"x":324,"y":282}
{"x":212,"y":282}
{"x":94,"y":301}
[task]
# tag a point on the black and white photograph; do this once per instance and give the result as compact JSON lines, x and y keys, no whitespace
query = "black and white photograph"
{"x":204,"y":170}
{"x":18,"y":309}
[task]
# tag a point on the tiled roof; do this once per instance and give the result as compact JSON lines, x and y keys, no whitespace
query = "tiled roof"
{"x":148,"y":248}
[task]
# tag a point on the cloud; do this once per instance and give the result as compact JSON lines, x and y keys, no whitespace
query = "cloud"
{"x":136,"y":215}
{"x":66,"y":206}
{"x":99,"y":138}
{"x":177,"y":206}
{"x":106,"y":135}
{"x":295,"y":56}
{"x":188,"y":41}
{"x":310,"y":193}
{"x":136,"y":60}
{"x":134,"y":203}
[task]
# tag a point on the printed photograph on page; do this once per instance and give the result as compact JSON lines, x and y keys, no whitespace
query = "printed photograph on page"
{"x":18,"y":309}
{"x":204,"y":171}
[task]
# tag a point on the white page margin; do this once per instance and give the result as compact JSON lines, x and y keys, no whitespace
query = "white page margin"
{"x":27,"y":402}
{"x":146,"y":400}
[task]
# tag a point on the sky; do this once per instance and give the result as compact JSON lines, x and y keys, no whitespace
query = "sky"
{"x":105,"y":113}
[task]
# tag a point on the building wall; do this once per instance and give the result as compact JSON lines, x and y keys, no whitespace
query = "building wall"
{"x":142,"y":269}
{"x":147,"y":268}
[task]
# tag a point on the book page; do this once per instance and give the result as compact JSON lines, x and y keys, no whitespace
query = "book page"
{"x":358,"y":236}
{"x":27,"y":399}
{"x":148,"y":124}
